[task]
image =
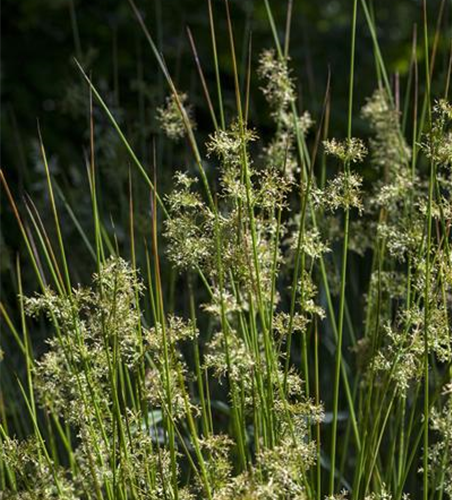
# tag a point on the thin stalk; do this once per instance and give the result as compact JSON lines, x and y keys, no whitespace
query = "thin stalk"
{"x":344,"y":266}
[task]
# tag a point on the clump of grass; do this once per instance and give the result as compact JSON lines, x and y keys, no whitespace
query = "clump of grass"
{"x":264,"y":386}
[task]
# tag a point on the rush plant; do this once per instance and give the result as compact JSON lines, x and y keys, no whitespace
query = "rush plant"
{"x":281,"y":374}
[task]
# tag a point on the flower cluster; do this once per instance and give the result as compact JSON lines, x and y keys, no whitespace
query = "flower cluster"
{"x":438,"y":141}
{"x":175,"y":115}
{"x":279,"y":91}
{"x":350,"y":150}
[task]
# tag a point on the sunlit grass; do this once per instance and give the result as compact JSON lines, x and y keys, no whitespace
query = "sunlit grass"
{"x":264,"y":385}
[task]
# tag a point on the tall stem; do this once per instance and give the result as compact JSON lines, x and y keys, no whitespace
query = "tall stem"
{"x":344,"y":266}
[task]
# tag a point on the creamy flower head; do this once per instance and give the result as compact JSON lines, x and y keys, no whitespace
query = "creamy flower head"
{"x":350,"y":150}
{"x":171,"y":116}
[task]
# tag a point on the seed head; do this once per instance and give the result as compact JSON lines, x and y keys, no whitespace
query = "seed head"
{"x":350,"y":150}
{"x":171,"y":116}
